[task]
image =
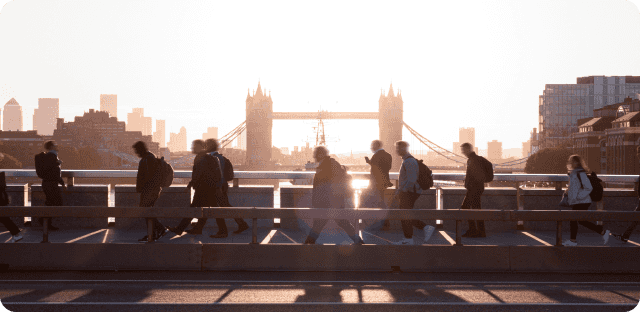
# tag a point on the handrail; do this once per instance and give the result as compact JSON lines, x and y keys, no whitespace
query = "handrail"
{"x":256,"y":213}
{"x":309,"y":174}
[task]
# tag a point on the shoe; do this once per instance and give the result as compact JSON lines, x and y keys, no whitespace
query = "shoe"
{"x":163,"y":233}
{"x":405,"y":241}
{"x":309,"y":241}
{"x":470,"y":233}
{"x":144,"y":239}
{"x":194,"y":231}
{"x":428,"y":231}
{"x":175,"y":230}
{"x":15,"y":238}
{"x":219,"y":235}
{"x":605,"y":237}
{"x":619,"y":237}
{"x":569,"y":243}
{"x":241,"y":228}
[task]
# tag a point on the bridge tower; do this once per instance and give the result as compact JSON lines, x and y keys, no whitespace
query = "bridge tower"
{"x":259,"y":126}
{"x":390,"y":122}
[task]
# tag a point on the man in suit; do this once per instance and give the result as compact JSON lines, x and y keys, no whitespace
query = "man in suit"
{"x":474,"y":183}
{"x":379,"y":180}
{"x":53,"y":177}
{"x":148,"y":185}
{"x":205,"y":177}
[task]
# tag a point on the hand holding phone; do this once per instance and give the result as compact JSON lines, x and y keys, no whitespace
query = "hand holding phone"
{"x":366,"y":159}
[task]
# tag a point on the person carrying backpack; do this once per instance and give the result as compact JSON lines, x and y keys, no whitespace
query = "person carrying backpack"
{"x":408,"y":193}
{"x":479,"y":171}
{"x":149,"y":185}
{"x":578,"y":193}
{"x":48,"y":169}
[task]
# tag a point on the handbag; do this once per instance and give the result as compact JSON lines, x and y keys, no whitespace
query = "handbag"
{"x":565,"y":200}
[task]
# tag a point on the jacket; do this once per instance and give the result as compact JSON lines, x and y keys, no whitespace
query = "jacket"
{"x":408,"y":179}
{"x":206,"y":172}
{"x":146,"y":179}
{"x":474,"y":178}
{"x":327,"y":192}
{"x":380,"y":165}
{"x":53,"y":172}
{"x":579,"y":193}
{"x":221,"y":183}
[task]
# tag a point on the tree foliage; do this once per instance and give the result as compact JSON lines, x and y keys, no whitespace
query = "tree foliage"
{"x":548,"y":161}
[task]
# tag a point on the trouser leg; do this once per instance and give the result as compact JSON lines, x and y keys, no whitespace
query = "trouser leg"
{"x":184,"y":223}
{"x":241,"y":222}
{"x":632,"y":227}
{"x":200,"y":224}
{"x":157,"y":226}
{"x":53,"y":196}
{"x":573,"y":225}
{"x":406,"y":202}
{"x":316,"y":228}
{"x":587,"y":224}
{"x":222,"y":226}
{"x":13,"y":229}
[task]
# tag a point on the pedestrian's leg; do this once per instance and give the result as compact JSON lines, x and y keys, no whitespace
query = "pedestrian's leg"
{"x":413,"y":197}
{"x":405,"y":203}
{"x":222,"y":226}
{"x":158,"y":228}
{"x":318,"y":225}
{"x":184,"y":223}
{"x":13,"y":229}
{"x":199,"y":225}
{"x":633,"y":225}
{"x":466,"y":204}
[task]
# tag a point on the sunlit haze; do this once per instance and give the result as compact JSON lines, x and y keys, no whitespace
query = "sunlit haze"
{"x":473,"y":63}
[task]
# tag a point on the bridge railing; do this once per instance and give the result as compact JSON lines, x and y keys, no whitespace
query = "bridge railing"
{"x":256,"y":213}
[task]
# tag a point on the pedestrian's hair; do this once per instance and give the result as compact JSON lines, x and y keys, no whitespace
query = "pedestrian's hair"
{"x":321,"y":150}
{"x":49,"y":145}
{"x":402,"y":144}
{"x":198,"y":142}
{"x":579,"y":160}
{"x":211,"y":145}
{"x":377,"y":143}
{"x":467,"y":145}
{"x":140,"y":146}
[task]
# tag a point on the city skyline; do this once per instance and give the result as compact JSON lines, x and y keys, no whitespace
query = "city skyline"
{"x":480,"y":84}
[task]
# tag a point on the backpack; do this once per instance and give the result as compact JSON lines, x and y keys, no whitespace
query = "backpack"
{"x":598,"y":190}
{"x":227,"y":168}
{"x":425,"y":175}
{"x":166,"y":172}
{"x":487,"y":168}
{"x":40,"y":166}
{"x":345,"y":180}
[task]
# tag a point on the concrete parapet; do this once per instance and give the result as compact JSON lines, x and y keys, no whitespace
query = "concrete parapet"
{"x":79,"y":256}
{"x":251,"y":196}
{"x":498,"y":198}
{"x":18,"y":196}
{"x":173,"y":196}
{"x":76,"y":195}
{"x":579,"y":259}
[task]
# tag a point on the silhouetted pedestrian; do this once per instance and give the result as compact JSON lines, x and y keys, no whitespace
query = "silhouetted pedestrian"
{"x":474,"y":183}
{"x":624,"y":237}
{"x":329,"y":192}
{"x":48,"y":167}
{"x":148,"y":185}
{"x":379,"y":179}
{"x":579,"y":199}
{"x":408,"y":193}
{"x":226,"y":169}
{"x":205,"y":179}
{"x":6,"y":221}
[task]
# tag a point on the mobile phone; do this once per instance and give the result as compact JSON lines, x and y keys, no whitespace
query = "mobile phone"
{"x":366,"y":158}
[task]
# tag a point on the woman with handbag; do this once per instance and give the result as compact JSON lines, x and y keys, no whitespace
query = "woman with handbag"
{"x":577,"y":196}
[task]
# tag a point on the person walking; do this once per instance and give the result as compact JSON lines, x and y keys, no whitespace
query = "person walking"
{"x":6,"y":221}
{"x":474,"y":183}
{"x":379,"y":179}
{"x":624,"y":237}
{"x":223,"y":193}
{"x":328,"y":192}
{"x":205,"y":178}
{"x":579,"y":199}
{"x":148,"y":185}
{"x":408,"y":193}
{"x":51,"y":174}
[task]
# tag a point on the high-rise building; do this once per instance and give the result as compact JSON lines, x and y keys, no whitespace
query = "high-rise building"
{"x":465,"y":135}
{"x":159,"y":135}
{"x":178,"y":141}
{"x":12,"y":120}
{"x":564,"y":106}
{"x":494,"y":151}
{"x":137,"y":122}
{"x":46,"y":115}
{"x":109,"y":103}
{"x":212,"y":133}
{"x":390,"y":121}
{"x":242,"y":141}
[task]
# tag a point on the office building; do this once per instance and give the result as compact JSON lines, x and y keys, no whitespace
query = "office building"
{"x":136,"y":121}
{"x":494,"y":151}
{"x":159,"y":135}
{"x":178,"y":141}
{"x":109,"y":103}
{"x":12,"y":119}
{"x":562,"y":106}
{"x":46,"y":115}
{"x":212,"y":133}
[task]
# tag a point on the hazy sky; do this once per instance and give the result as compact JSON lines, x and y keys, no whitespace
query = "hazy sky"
{"x":473,"y":63}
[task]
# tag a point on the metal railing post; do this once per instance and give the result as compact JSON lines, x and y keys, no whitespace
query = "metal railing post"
{"x":236,"y":182}
{"x":599,"y":207}
{"x":439,"y":206}
{"x":45,"y":230}
{"x":558,"y":186}
{"x":254,"y":232}
{"x":70,"y":181}
{"x":559,"y":234}
{"x":520,"y":224}
{"x":458,"y":233}
{"x":149,"y":230}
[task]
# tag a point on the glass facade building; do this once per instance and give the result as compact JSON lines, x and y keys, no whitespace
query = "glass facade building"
{"x":562,"y":106}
